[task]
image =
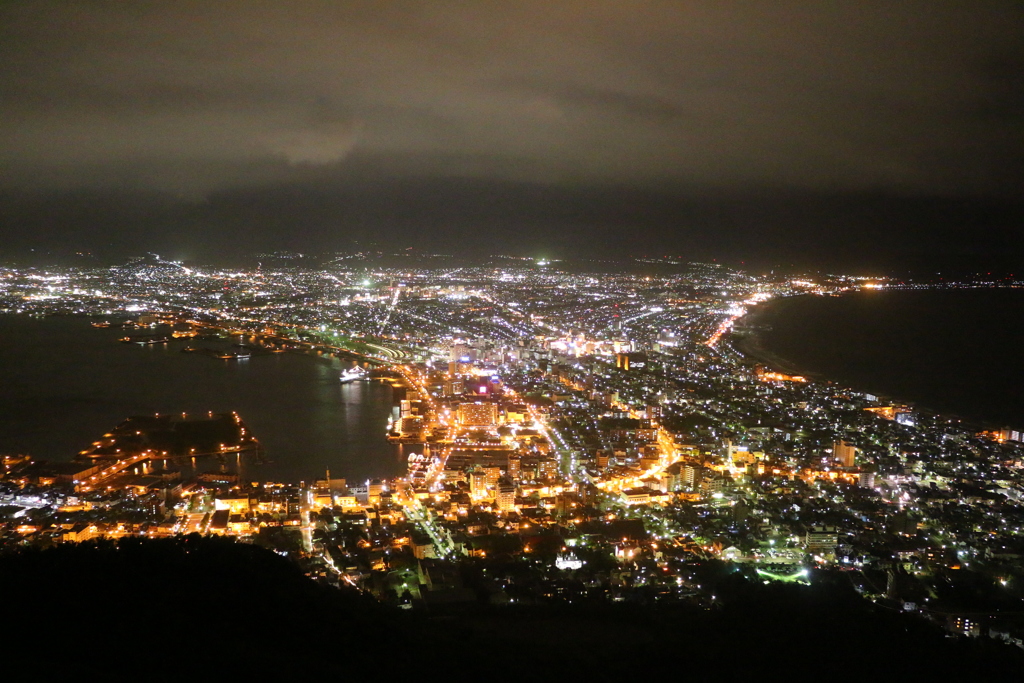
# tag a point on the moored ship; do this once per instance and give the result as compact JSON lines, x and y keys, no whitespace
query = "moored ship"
{"x":354,"y":374}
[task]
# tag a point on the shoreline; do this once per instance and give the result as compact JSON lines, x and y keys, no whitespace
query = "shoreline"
{"x":324,"y":426}
{"x":751,"y":345}
{"x":748,"y":341}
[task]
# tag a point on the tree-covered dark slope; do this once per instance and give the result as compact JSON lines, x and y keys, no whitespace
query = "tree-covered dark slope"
{"x":198,"y":607}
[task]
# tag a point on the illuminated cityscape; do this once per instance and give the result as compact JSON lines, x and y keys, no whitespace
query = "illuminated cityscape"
{"x":598,"y":438}
{"x":560,"y":340}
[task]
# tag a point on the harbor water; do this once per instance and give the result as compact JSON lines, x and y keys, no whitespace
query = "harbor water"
{"x":64,"y":383}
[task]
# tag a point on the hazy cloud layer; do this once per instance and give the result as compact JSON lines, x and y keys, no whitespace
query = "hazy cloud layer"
{"x":911,"y":97}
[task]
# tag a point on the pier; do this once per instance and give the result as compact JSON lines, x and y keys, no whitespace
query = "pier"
{"x":164,"y":437}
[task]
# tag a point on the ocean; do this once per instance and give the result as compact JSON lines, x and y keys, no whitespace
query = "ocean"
{"x":955,"y":351}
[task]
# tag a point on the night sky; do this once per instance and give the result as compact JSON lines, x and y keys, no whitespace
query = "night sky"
{"x":854,"y":135}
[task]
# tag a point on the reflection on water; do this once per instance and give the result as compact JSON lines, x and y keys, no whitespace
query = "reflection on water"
{"x":64,"y":383}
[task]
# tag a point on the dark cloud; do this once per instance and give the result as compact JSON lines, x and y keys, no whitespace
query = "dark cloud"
{"x":588,"y":98}
{"x":793,"y":94}
{"x":561,"y":97}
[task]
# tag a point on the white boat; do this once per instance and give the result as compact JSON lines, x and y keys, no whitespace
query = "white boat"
{"x":354,"y":374}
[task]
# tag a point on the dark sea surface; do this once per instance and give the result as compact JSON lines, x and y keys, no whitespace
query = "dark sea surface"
{"x":954,"y":351}
{"x":63,"y":383}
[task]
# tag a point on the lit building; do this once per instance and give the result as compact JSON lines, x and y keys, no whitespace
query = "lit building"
{"x":506,"y":497}
{"x":236,"y":504}
{"x":478,"y":484}
{"x":568,"y":560}
{"x":630,"y":361}
{"x":636,"y":496}
{"x":374,"y":489}
{"x":547,"y":469}
{"x":492,"y":475}
{"x":821,"y":540}
{"x":477,"y":414}
{"x":514,"y":471}
{"x":844,"y":454}
{"x":411,"y":425}
{"x":691,"y":475}
{"x":967,"y":625}
{"x":516,"y":414}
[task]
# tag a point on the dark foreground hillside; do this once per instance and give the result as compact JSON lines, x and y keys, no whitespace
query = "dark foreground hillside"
{"x":191,"y":608}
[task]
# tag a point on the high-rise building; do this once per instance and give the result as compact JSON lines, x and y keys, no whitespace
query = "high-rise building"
{"x":691,"y":476}
{"x":492,"y":475}
{"x":844,"y":454}
{"x":478,"y":484}
{"x":514,"y":471}
{"x":506,"y":497}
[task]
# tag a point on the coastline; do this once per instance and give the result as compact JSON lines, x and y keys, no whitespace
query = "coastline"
{"x":941,"y":351}
{"x":750,"y":344}
{"x":67,"y":383}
